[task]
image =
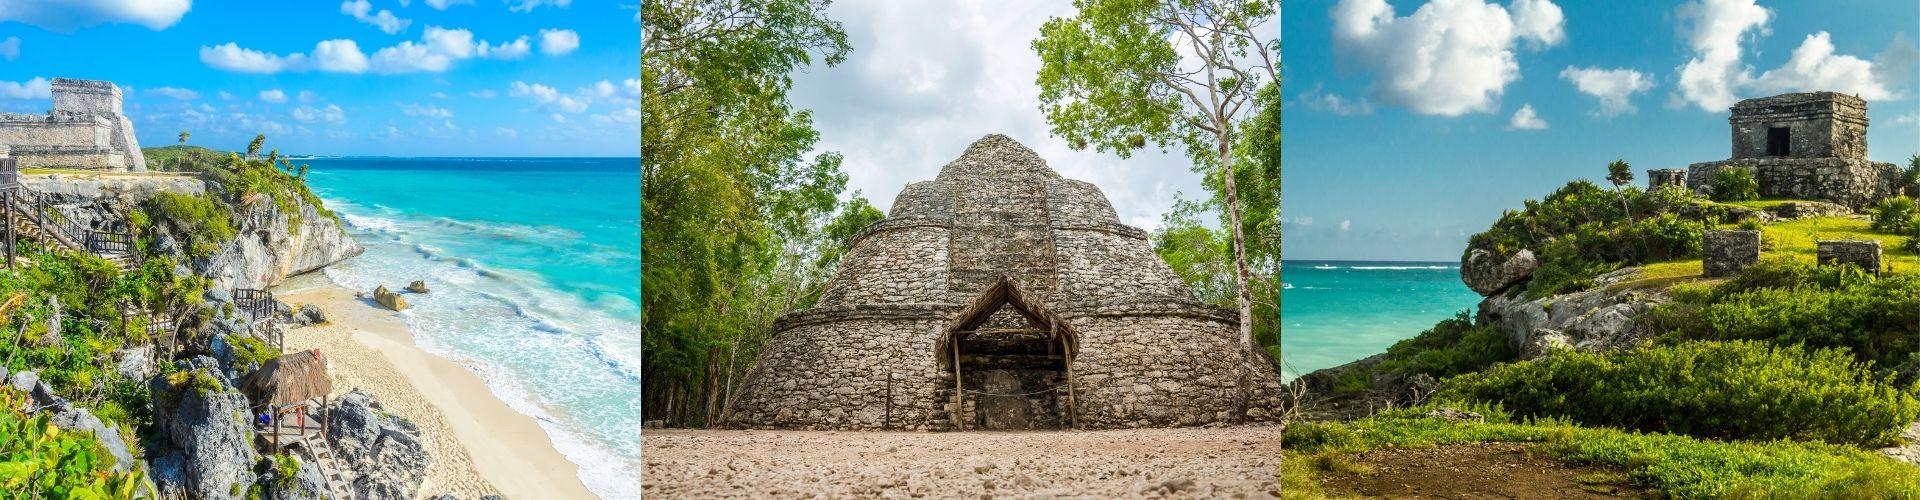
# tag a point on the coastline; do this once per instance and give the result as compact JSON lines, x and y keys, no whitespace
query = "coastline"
{"x":479,"y":444}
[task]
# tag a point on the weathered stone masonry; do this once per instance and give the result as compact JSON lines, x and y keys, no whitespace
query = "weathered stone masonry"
{"x":85,"y":130}
{"x":1810,"y":145}
{"x":1034,"y":280}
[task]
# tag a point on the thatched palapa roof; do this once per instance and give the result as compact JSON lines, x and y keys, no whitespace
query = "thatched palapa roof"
{"x":289,"y":379}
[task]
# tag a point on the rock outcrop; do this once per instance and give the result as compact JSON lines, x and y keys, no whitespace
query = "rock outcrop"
{"x":209,"y":423}
{"x":1592,"y":320}
{"x":389,"y":299}
{"x":417,"y":286}
{"x":72,"y":418}
{"x":1487,"y":274}
{"x":381,"y":452}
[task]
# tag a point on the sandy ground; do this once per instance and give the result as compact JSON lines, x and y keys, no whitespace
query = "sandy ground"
{"x":479,"y":445}
{"x":1235,"y":462}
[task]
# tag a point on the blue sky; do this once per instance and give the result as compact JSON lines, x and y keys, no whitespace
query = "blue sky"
{"x":362,"y":77}
{"x":1409,"y":129}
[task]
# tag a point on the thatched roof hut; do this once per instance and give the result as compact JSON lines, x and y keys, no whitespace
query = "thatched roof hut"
{"x":289,"y":379}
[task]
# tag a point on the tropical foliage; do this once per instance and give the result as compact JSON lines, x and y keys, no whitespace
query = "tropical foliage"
{"x":40,"y":460}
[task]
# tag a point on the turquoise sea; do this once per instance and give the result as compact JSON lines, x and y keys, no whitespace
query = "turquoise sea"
{"x":1335,"y":312}
{"x":534,"y":265}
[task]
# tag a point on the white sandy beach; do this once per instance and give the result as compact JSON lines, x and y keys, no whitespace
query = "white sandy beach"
{"x":479,"y":445}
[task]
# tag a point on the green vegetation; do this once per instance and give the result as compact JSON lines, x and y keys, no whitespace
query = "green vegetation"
{"x":1794,"y":302}
{"x":741,"y":225}
{"x":39,"y":460}
{"x":1579,"y":232}
{"x":203,"y":219}
{"x":1678,"y":466}
{"x":1452,"y":347}
{"x":249,"y":351}
{"x":1896,"y":215}
{"x":1734,"y":184}
{"x":1722,"y":390}
{"x":245,"y":181}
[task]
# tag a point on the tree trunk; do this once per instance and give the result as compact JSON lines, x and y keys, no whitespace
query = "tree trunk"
{"x":712,"y":387}
{"x":726,"y":400}
{"x":1242,"y":375}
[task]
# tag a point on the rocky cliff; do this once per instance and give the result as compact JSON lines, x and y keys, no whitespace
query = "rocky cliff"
{"x":269,"y":247}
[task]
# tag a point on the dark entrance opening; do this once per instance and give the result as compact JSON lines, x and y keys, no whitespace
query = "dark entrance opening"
{"x":1778,"y":141}
{"x":1011,"y":363}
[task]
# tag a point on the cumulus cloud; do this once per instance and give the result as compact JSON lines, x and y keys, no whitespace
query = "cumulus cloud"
{"x":529,"y":5}
{"x":558,"y":42}
{"x":511,"y":50}
{"x":67,"y":15}
{"x":308,"y":96}
{"x":384,"y":19}
{"x":1716,"y":76}
{"x":483,"y":93}
{"x":439,"y":48}
{"x":175,"y":93}
{"x":274,"y":96}
{"x":1526,"y":119}
{"x":506,"y":132}
{"x":232,"y":57}
{"x":37,"y":88}
{"x":425,"y":110}
{"x":622,"y":115}
{"x":443,"y":4}
{"x":10,"y":48}
{"x":1450,"y":57}
{"x":330,"y":114}
{"x":548,"y":97}
{"x":1614,"y":87}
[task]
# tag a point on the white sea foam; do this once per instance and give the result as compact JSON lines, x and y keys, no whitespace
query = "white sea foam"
{"x":1400,"y":268}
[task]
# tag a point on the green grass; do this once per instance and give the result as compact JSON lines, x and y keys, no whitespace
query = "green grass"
{"x":1796,"y":238}
{"x":1761,"y":204}
{"x":1680,"y":466}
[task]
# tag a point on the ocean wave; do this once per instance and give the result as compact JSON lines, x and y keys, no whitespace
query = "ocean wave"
{"x":371,"y":224}
{"x":1400,"y":268}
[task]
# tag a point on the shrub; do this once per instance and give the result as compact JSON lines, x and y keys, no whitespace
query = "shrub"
{"x":1725,"y":390}
{"x":249,"y":351}
{"x":1734,"y":184}
{"x":1895,"y":215}
{"x":39,"y":460}
{"x":1793,"y":302}
{"x":1452,"y":347}
{"x":203,"y":220}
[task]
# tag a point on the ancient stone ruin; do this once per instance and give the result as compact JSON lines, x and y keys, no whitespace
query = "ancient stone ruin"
{"x":1863,"y":253}
{"x":1663,"y":177}
{"x":85,"y":130}
{"x":1019,"y":291}
{"x":1726,"y":252}
{"x":1810,"y":145}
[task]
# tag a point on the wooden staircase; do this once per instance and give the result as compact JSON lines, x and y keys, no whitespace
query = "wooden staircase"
{"x":35,"y":219}
{"x":322,"y":455}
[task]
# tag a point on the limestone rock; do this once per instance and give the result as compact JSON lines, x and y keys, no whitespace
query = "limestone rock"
{"x":308,"y":483}
{"x":136,"y":363}
{"x":389,"y":299}
{"x":212,"y":427}
{"x":1487,"y":274}
{"x":1909,"y":450}
{"x":1726,"y":252}
{"x":382,"y":451}
{"x":312,"y":314}
{"x":1544,"y":342}
{"x":417,"y":286}
{"x":83,"y":420}
{"x":1456,"y":415}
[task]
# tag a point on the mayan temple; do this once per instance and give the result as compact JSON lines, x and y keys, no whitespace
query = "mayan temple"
{"x":1016,"y":288}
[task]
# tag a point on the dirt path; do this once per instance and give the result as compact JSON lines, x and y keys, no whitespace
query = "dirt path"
{"x":1239,"y":462}
{"x":1477,"y":470}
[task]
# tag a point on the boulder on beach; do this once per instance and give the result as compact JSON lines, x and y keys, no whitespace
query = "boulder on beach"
{"x":418,"y":286}
{"x":312,"y":314}
{"x":388,"y":299}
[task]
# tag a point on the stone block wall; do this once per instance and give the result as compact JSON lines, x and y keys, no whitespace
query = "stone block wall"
{"x":892,"y":262}
{"x":1663,"y":177}
{"x":1167,"y":369}
{"x":1863,"y":253}
{"x":1854,"y":183}
{"x":1820,"y":124}
{"x":55,"y":130}
{"x":1105,"y":263}
{"x":86,"y":114}
{"x":1726,"y":252}
{"x":832,"y":374}
{"x":1000,"y":227}
{"x":85,"y":96}
{"x":74,"y":158}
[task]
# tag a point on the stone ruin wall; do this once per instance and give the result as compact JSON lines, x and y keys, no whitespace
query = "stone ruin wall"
{"x":828,"y":370}
{"x":85,"y":130}
{"x":1822,"y":125}
{"x":892,"y":262}
{"x":1854,"y":183}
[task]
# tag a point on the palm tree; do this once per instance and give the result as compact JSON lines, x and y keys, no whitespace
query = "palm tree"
{"x":184,"y":135}
{"x":1621,"y":174}
{"x":1910,"y":178}
{"x":253,"y":148}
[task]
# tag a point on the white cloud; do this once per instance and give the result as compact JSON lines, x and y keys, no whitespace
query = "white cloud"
{"x":1346,"y":224}
{"x":622,"y":115}
{"x":558,"y":118}
{"x":65,"y":16}
{"x":632,"y":85}
{"x":232,"y":57}
{"x":37,"y":88}
{"x":1450,"y":57}
{"x":330,"y":114}
{"x":440,"y":95}
{"x":558,"y":42}
{"x":1334,"y":103}
{"x":224,"y":96}
{"x":550,"y":97}
{"x":1907,"y":119}
{"x":307,"y":96}
{"x":1614,"y":87}
{"x":274,"y":96}
{"x":384,"y":19}
{"x":426,"y":110}
{"x":483,"y":93}
{"x":1525,"y":119}
{"x":509,"y":51}
{"x":10,"y":48}
{"x":443,"y":4}
{"x":1899,"y":64}
{"x":506,"y":132}
{"x":529,"y":5}
{"x":174,"y":92}
{"x":1814,"y":66}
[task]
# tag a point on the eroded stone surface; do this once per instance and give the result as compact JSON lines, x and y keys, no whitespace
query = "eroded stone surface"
{"x":1863,"y":253}
{"x":1726,"y":252}
{"x":874,"y":353}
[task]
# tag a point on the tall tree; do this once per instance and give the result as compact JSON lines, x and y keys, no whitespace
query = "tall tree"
{"x":1621,"y":174}
{"x":183,"y":136}
{"x":253,"y":148}
{"x":1123,"y":74}
{"x":730,"y":200}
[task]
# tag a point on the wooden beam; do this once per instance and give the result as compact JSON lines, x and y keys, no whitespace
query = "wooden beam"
{"x":959,"y":396}
{"x":1005,"y":330}
{"x":1073,"y":411}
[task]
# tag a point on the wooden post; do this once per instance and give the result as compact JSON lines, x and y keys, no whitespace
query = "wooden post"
{"x":959,"y":397}
{"x":1073,"y":410}
{"x":8,"y":197}
{"x":886,"y":422}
